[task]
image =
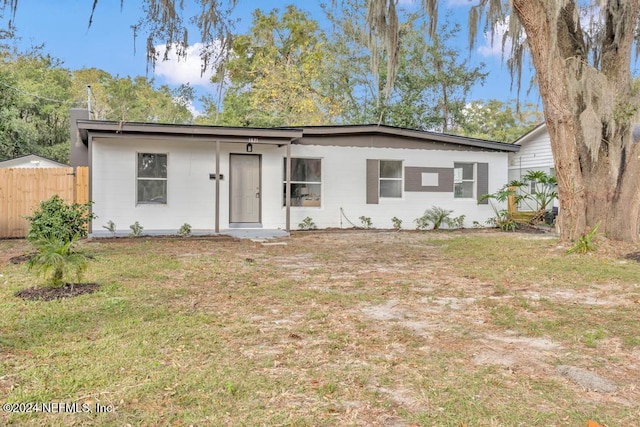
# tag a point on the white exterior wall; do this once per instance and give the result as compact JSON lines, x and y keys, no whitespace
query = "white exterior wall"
{"x":535,"y":154}
{"x":344,"y":186}
{"x":191,"y":194}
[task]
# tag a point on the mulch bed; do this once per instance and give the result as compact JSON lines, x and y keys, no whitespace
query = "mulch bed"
{"x":635,"y":256}
{"x":19,"y":259}
{"x":69,"y":290}
{"x":534,"y":229}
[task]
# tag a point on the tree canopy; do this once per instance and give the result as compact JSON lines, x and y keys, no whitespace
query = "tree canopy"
{"x":37,"y":92}
{"x":432,"y":82}
{"x":276,"y":73}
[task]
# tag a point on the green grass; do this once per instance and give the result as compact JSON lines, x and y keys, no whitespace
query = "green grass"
{"x":355,"y":328}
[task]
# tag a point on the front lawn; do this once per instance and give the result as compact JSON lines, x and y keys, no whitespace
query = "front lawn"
{"x":334,"y":328}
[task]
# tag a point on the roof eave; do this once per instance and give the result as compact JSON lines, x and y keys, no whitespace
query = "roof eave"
{"x":86,"y":126}
{"x":411,"y":133}
{"x":533,"y":132}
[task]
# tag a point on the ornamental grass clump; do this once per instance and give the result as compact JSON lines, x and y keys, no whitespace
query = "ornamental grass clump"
{"x":56,"y":259}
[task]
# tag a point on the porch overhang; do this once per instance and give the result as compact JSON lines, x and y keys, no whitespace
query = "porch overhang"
{"x":162,"y":130}
{"x":90,"y":129}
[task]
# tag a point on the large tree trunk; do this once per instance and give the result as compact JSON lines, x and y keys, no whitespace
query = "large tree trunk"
{"x":589,"y":111}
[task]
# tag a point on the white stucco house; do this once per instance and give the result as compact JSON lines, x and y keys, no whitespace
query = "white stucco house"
{"x":31,"y":161}
{"x":223,"y":178}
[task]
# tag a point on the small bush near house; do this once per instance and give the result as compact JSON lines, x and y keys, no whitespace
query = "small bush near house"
{"x":502,"y":219}
{"x":185,"y":230}
{"x":59,"y":220}
{"x":111,"y":226}
{"x":365,"y":221}
{"x":136,"y":229}
{"x":307,"y":224}
{"x":397,"y":223}
{"x":422,"y":223}
{"x":436,"y":216}
{"x":457,"y":222}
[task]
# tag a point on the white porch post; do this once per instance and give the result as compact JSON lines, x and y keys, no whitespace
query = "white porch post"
{"x":288,"y":189}
{"x":217,"y":186}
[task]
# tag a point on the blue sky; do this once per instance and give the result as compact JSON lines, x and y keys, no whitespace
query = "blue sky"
{"x":62,"y":26}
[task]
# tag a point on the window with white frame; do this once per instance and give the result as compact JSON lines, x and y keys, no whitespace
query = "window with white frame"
{"x":151,"y":178}
{"x":463,"y":180}
{"x":306,"y":182}
{"x":390,"y":178}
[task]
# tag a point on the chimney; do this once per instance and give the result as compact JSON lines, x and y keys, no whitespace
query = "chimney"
{"x":79,"y":151}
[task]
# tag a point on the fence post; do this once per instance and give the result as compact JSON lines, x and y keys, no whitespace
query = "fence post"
{"x":511,"y":201}
{"x":82,"y":184}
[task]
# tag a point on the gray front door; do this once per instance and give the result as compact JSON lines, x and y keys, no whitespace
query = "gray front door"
{"x":245,"y":191}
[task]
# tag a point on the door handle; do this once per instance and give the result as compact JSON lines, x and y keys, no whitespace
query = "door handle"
{"x":257,"y":195}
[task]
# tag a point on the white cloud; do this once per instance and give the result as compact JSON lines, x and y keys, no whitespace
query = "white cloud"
{"x":175,"y":70}
{"x":194,"y":111}
{"x":456,"y":3}
{"x":189,"y":105}
{"x":493,"y":44}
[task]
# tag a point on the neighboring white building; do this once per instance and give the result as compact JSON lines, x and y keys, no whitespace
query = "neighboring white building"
{"x":220,"y":178}
{"x":31,"y":161}
{"x":535,"y":154}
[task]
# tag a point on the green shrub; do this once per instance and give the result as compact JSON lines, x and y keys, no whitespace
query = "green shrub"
{"x":585,"y":243}
{"x":422,"y":223}
{"x":111,"y":226}
{"x":365,"y":221}
{"x":436,"y":216}
{"x":136,"y":229}
{"x":58,"y":220}
{"x":503,"y":220}
{"x":457,"y":222}
{"x":185,"y":230}
{"x":397,"y":223}
{"x":56,"y":258}
{"x":307,"y":224}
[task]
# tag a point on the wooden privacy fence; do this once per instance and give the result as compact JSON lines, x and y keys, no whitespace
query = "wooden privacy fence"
{"x":22,"y":190}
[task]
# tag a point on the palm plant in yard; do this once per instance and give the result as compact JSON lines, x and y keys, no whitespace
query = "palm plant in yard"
{"x":436,"y":216}
{"x":538,"y":189}
{"x":56,"y":259}
{"x":503,"y":219}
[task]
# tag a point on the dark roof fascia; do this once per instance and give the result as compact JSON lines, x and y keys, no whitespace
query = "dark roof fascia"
{"x":407,"y":133}
{"x":281,"y":133}
{"x":96,"y":126}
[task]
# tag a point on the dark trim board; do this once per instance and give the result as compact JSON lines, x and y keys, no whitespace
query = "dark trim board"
{"x":413,"y":179}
